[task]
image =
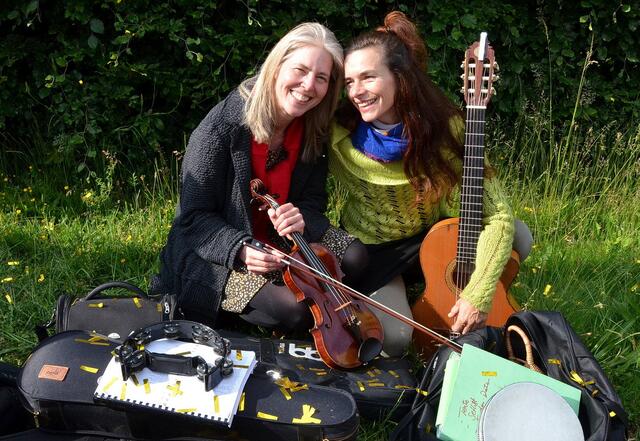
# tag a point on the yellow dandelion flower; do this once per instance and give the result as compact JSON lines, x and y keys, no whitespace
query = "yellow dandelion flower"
{"x":32,"y":199}
{"x":43,"y":237}
{"x":13,"y":263}
{"x":534,"y":270}
{"x":129,"y":238}
{"x":66,"y":187}
{"x":547,"y":290}
{"x":30,"y":167}
{"x":41,"y":278}
{"x":87,"y":195}
{"x":635,"y":287}
{"x":24,"y":190}
{"x":599,"y":305}
{"x":528,"y":209}
{"x":18,"y":211}
{"x":9,"y":299}
{"x":7,"y":280}
{"x":123,"y":260}
{"x":80,"y":82}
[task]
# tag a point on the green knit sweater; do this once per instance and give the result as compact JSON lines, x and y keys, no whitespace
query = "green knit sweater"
{"x":380,"y":207}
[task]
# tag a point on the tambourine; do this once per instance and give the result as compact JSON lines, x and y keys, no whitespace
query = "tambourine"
{"x":133,"y":357}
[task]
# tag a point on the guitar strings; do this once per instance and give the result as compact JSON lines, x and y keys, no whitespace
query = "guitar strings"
{"x":473,"y":173}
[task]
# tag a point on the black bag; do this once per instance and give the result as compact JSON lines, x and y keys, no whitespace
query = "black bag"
{"x":418,"y":423}
{"x":13,"y":417}
{"x":560,"y":353}
{"x":108,"y":315}
{"x":557,"y":351}
{"x":68,"y":405}
{"x":385,"y":388}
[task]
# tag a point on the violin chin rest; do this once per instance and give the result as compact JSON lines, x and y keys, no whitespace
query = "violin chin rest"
{"x":369,"y":349}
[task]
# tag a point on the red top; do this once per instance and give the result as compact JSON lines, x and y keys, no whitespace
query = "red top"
{"x":276,"y":180}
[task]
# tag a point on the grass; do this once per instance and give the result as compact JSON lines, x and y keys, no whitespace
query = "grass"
{"x":577,"y":190}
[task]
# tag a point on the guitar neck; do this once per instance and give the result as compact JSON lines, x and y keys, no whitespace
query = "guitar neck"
{"x":471,"y":189}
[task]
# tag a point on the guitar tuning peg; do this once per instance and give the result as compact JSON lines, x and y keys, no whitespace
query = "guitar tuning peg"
{"x":496,"y":78}
{"x":462,"y":90}
{"x":462,"y":65}
{"x":496,"y":66}
{"x":462,"y":76}
{"x":493,"y":91}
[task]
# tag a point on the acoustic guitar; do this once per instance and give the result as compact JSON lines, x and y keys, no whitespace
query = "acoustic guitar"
{"x":448,"y":252}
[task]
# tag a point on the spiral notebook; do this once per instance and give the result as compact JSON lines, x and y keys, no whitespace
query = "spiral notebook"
{"x":181,"y":394}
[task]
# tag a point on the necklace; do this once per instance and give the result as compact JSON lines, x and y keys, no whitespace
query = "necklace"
{"x":275,"y":157}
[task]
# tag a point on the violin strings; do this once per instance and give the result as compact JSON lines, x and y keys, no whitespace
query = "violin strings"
{"x":324,"y":275}
{"x":319,"y":266}
{"x":314,"y":260}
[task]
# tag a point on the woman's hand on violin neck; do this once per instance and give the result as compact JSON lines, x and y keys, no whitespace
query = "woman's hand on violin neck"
{"x":287,"y":219}
{"x":258,"y":262}
{"x":466,"y":317}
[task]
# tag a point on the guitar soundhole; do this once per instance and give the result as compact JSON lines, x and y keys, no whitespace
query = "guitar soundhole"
{"x":460,"y":278}
{"x":458,"y":275}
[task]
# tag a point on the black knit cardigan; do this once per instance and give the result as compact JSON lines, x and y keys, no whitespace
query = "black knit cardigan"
{"x":213,"y":216}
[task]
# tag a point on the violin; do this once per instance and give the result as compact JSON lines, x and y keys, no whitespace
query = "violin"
{"x":346,"y":333}
{"x":301,"y":266}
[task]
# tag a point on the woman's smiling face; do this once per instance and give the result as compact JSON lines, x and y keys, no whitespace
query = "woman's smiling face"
{"x":302,"y":82}
{"x":371,"y":86}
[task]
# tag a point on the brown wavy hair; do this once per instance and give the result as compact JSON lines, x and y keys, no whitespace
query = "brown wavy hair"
{"x":424,"y":110}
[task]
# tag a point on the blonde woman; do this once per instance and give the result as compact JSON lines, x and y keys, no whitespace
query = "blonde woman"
{"x":275,"y":127}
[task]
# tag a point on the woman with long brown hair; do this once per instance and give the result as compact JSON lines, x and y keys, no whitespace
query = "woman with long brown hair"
{"x":398,"y":154}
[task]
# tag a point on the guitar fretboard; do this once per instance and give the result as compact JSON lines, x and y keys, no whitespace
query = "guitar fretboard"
{"x":471,"y":191}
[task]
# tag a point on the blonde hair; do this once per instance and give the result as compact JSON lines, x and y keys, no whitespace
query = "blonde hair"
{"x":261,"y":108}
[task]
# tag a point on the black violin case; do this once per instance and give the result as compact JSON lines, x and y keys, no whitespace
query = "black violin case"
{"x":270,"y":411}
{"x":384,"y":388}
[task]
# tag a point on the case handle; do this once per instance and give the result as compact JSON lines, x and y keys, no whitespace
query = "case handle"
{"x":116,"y":284}
{"x":529,"y":361}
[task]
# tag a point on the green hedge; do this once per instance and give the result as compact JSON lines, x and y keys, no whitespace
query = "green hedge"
{"x":134,"y":77}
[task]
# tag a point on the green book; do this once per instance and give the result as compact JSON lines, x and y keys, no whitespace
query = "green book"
{"x":471,"y":379}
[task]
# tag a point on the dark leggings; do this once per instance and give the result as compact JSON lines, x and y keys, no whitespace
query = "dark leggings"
{"x":276,"y":306}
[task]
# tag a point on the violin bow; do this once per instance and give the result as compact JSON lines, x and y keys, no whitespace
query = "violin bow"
{"x":293,"y":262}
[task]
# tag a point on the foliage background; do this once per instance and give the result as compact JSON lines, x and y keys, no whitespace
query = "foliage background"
{"x":88,"y":81}
{"x":98,"y":98}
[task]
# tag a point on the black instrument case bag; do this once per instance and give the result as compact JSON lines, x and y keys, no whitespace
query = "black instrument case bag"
{"x":557,"y":351}
{"x":107,"y":314}
{"x":560,"y":353}
{"x":385,"y":388}
{"x":274,"y":408}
